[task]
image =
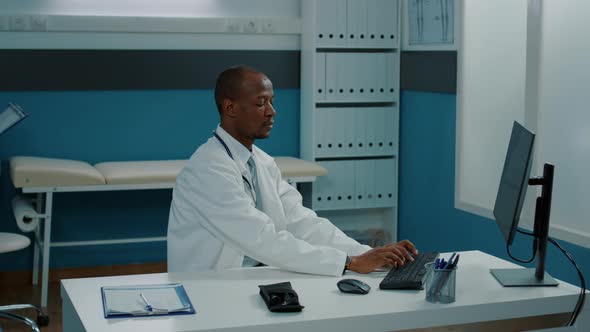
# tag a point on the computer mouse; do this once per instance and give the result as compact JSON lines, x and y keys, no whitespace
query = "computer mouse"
{"x":353,"y":286}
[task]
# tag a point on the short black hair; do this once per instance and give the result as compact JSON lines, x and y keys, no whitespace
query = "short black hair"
{"x":228,"y":83}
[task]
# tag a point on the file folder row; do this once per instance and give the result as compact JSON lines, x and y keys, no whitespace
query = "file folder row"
{"x":370,"y":183}
{"x":357,"y":77}
{"x":357,"y":23}
{"x":356,"y":132}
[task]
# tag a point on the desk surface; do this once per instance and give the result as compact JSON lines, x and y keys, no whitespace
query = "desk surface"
{"x":229,"y":300}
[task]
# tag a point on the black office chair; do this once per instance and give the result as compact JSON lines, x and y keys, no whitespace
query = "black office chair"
{"x":12,"y":242}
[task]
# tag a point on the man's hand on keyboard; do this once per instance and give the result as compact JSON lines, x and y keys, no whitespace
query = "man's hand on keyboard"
{"x":393,"y":254}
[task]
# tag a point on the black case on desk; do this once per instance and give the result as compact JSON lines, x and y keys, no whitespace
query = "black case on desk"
{"x":280,"y":297}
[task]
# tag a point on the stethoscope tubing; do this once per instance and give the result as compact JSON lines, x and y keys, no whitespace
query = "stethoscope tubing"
{"x":232,"y":157}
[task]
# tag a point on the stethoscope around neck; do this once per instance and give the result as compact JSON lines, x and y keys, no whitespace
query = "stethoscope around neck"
{"x":252,"y":193}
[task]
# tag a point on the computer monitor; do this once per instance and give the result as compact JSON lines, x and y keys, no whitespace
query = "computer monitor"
{"x":508,"y":207}
{"x":514,"y":181}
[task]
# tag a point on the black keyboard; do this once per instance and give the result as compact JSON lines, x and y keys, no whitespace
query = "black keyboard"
{"x":411,"y":275}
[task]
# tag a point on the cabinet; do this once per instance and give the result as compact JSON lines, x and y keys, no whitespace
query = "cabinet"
{"x":431,"y":21}
{"x":430,"y":25}
{"x":350,"y":105}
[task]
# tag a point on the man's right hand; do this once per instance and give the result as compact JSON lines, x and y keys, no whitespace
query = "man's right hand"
{"x":393,"y":254}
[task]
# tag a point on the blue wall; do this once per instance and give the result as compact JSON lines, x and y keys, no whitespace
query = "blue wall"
{"x":97,"y":126}
{"x":141,"y":125}
{"x":427,"y":180}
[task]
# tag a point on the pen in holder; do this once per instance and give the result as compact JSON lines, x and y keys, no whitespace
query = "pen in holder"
{"x":440,"y":284}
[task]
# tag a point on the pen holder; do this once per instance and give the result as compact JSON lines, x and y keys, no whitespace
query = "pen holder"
{"x":440,"y":284}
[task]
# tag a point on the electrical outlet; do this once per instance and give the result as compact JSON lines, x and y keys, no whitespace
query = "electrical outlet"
{"x":232,"y":26}
{"x":3,"y":24}
{"x":250,"y":26}
{"x":268,"y":27}
{"x":38,"y":23}
{"x":17,"y":22}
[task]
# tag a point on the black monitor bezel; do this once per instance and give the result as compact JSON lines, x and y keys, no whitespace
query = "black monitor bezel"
{"x":508,"y":227}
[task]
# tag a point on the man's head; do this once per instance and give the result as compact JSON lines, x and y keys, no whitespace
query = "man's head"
{"x":244,"y":98}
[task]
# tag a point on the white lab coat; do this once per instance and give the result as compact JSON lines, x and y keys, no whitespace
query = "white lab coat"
{"x":213,"y":220}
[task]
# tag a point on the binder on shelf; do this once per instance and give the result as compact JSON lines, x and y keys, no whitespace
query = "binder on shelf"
{"x":335,"y":190}
{"x":331,"y":23}
{"x":393,"y":70}
{"x":350,"y":70}
{"x":377,"y":76}
{"x":321,"y":118}
{"x":373,"y":24}
{"x":332,"y":76}
{"x":393,"y":131}
{"x":362,"y":74}
{"x":372,"y":138}
{"x":349,"y":132}
{"x":365,"y":183}
{"x":145,"y":300}
{"x":380,"y":61}
{"x":344,"y":126}
{"x":386,"y":172}
{"x":320,"y":76}
{"x":380,"y":128}
{"x":360,"y":132}
{"x":323,"y":187}
{"x":387,"y":20}
{"x":333,"y":132}
{"x":357,"y":23}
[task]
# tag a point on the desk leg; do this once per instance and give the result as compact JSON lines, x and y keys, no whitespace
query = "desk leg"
{"x":37,"y":238}
{"x":70,"y":320}
{"x":46,"y":247}
{"x":583,"y":321}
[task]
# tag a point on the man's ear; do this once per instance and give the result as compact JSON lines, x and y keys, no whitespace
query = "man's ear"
{"x":229,"y":108}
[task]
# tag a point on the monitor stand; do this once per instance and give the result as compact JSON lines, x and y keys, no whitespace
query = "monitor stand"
{"x":534,"y":276}
{"x":522,"y":278}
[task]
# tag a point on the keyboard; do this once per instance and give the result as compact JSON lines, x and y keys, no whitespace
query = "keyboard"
{"x":411,"y":275}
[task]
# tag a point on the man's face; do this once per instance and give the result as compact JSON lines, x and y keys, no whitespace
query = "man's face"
{"x":255,"y":112}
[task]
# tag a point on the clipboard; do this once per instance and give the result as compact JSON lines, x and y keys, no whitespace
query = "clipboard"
{"x":145,"y":300}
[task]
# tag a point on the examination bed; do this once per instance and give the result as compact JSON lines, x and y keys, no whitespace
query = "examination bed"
{"x":45,"y":176}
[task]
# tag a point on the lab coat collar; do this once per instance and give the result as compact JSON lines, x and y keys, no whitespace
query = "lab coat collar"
{"x":240,"y":153}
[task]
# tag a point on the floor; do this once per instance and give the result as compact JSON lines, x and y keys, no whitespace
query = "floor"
{"x":16,"y":288}
{"x":29,"y":294}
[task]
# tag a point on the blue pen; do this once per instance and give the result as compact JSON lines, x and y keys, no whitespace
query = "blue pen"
{"x":456,"y":261}
{"x":148,"y":306}
{"x":441,"y":263}
{"x":448,"y":265}
{"x":436,"y":263}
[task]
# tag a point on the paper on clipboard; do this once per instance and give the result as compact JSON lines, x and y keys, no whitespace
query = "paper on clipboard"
{"x":131,"y":300}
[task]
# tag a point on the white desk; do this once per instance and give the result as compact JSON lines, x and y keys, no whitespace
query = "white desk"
{"x":229,"y":301}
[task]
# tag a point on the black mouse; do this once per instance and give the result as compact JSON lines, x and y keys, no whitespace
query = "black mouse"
{"x":353,"y":286}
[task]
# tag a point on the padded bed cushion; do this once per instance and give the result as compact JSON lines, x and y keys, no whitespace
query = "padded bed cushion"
{"x":51,"y":172}
{"x":292,"y":167}
{"x":138,"y":172}
{"x":48,"y":172}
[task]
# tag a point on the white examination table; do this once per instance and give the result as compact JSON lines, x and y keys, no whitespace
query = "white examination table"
{"x":45,"y":176}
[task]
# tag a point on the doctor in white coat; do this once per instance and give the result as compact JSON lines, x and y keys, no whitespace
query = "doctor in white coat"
{"x":230,"y":201}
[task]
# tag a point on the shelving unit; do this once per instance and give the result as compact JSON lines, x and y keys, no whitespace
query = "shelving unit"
{"x":350,"y":108}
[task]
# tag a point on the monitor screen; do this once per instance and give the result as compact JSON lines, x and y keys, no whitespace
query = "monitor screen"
{"x":514,"y":181}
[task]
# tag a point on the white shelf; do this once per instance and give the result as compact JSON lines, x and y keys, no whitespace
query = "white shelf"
{"x":132,"y":32}
{"x":350,"y":104}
